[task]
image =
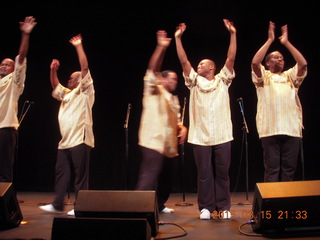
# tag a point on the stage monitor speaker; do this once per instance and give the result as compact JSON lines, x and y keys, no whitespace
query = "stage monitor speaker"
{"x":100,"y":228}
{"x":10,"y":213}
{"x":286,"y":207}
{"x":119,"y":204}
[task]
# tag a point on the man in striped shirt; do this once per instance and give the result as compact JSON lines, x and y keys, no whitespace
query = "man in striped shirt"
{"x":210,"y":129}
{"x":12,"y":80}
{"x":279,"y":112}
{"x":75,"y":123}
{"x":160,"y":127}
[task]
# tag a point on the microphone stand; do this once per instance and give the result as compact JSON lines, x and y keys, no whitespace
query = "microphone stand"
{"x":25,"y":108}
{"x":125,"y":126}
{"x":245,"y":139}
{"x":302,"y":159}
{"x":183,"y":202}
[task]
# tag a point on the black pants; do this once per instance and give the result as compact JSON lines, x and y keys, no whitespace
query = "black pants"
{"x":280,"y":156}
{"x":79,"y":158}
{"x":213,"y":176}
{"x":8,"y":139}
{"x":156,"y":173}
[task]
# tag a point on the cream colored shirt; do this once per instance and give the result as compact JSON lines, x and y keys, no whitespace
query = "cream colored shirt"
{"x":75,"y":113}
{"x":158,"y":125}
{"x":11,"y":87}
{"x":209,"y":118}
{"x":279,"y":111}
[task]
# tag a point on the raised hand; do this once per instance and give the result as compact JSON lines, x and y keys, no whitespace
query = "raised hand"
{"x":284,"y":37}
{"x":55,"y":64}
{"x":28,"y":25}
{"x":162,"y":38}
{"x":76,"y":40}
{"x":229,"y":25}
{"x":180,"y":30}
{"x":271,"y":29}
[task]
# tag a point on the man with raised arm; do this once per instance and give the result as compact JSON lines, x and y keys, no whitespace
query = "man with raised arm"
{"x":12,"y":78}
{"x":210,"y":130}
{"x":160,"y":127}
{"x":75,"y":122}
{"x":279,"y":112}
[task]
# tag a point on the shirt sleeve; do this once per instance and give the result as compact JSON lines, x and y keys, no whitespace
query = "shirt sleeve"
{"x":258,"y":81}
{"x":226,"y":75}
{"x":59,"y":92}
{"x":190,"y":80}
{"x":19,"y":76}
{"x":86,"y":82}
{"x":150,"y":82}
{"x":293,"y":75}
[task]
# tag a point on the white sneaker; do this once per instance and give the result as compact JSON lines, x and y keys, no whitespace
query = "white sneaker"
{"x":226,"y":214}
{"x":71,"y":213}
{"x":50,"y":208}
{"x":205,"y":214}
{"x":167,"y":210}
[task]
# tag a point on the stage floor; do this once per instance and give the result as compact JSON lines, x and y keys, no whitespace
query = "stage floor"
{"x":38,"y":224}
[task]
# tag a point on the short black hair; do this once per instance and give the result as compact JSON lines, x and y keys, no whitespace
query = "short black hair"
{"x":268,"y":58}
{"x":165,"y":73}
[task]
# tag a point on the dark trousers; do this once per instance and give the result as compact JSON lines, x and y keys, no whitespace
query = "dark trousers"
{"x":8,"y":139}
{"x":156,"y":173}
{"x":213,"y":176}
{"x":79,"y":158}
{"x":280,"y":155}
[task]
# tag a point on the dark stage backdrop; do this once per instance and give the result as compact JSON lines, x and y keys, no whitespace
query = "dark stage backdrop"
{"x":119,"y":38}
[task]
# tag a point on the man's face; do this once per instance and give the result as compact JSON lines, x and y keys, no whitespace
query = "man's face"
{"x":276,"y":62}
{"x":6,"y":67}
{"x":170,"y":82}
{"x":204,"y":67}
{"x":73,"y":81}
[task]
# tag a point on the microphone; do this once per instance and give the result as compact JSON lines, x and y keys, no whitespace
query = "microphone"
{"x":29,"y":102}
{"x":127,"y":116}
{"x":239,"y":99}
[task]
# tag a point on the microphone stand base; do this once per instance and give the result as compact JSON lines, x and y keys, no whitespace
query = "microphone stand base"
{"x":184,"y":204}
{"x":245,"y":203}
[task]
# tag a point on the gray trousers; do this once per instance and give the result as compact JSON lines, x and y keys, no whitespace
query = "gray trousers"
{"x":280,"y":156}
{"x":8,"y":139}
{"x":156,"y":173}
{"x":77,"y":157}
{"x":213,"y":176}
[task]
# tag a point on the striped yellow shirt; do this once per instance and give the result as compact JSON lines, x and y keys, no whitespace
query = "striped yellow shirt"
{"x":209,"y":108}
{"x":75,"y":113}
{"x":159,"y":118}
{"x":279,"y":111}
{"x":11,"y":87}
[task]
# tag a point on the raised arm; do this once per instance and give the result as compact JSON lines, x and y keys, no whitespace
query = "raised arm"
{"x":231,"y":56}
{"x":301,"y":61}
{"x":26,"y":28}
{"x":259,"y":56}
{"x":156,"y":59}
{"x":185,"y":64}
{"x":77,"y":43}
{"x":54,"y":66}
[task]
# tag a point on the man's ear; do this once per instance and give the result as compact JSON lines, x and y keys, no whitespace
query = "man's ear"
{"x":268,"y":64}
